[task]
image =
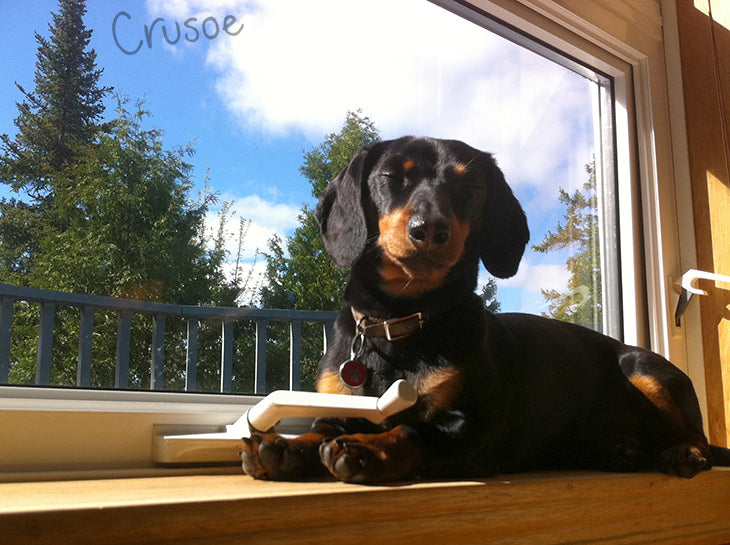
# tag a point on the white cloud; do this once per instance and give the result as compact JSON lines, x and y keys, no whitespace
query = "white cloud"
{"x":411,"y":66}
{"x":533,"y":277}
{"x":267,"y":219}
{"x":251,"y":276}
{"x":182,"y":9}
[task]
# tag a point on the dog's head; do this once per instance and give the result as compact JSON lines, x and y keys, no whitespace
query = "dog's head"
{"x":426,"y":205}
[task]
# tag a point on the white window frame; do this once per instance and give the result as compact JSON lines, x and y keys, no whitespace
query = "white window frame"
{"x":47,"y":429}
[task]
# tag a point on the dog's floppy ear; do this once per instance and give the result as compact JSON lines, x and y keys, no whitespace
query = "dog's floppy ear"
{"x":504,"y":231}
{"x":341,"y":216}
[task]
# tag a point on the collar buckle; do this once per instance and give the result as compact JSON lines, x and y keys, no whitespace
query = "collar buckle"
{"x":393,"y":329}
{"x":398,"y":328}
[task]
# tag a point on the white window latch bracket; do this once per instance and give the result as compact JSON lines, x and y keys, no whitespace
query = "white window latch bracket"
{"x":225,"y":446}
{"x":688,"y":289}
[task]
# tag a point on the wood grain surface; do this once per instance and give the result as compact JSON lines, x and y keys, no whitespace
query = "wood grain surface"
{"x":541,"y":508}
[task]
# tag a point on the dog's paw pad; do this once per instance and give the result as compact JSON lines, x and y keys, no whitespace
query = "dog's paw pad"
{"x":272,"y":457}
{"x":683,"y":460}
{"x":250,"y":461}
{"x":350,"y":461}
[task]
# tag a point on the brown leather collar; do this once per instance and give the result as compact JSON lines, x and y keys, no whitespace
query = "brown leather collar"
{"x":392,"y":329}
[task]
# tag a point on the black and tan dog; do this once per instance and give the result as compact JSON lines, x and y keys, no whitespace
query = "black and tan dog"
{"x":497,"y":393}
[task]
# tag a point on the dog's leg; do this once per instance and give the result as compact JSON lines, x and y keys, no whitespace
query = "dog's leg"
{"x":648,"y":436}
{"x":442,"y":447}
{"x":372,"y":458}
{"x":674,"y":410}
{"x":273,"y":457}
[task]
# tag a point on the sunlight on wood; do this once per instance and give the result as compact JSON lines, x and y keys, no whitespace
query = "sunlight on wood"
{"x":718,"y":9}
{"x":718,"y":194}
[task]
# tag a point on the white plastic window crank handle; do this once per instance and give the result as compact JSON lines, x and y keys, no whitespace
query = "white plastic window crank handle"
{"x":277,"y":405}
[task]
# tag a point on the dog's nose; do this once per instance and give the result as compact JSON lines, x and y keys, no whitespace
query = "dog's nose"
{"x":428,"y":234}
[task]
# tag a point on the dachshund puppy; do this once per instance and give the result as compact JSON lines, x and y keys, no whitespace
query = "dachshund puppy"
{"x":412,"y":218}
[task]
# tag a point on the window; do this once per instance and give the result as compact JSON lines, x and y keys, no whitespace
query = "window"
{"x":547,"y":118}
{"x":550,"y":96}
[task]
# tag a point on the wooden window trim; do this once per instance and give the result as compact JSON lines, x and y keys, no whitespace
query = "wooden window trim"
{"x":541,"y":508}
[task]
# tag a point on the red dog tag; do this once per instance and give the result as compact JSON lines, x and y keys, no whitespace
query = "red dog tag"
{"x":353,"y":373}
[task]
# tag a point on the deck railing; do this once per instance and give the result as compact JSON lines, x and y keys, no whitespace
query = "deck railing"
{"x":125,"y":308}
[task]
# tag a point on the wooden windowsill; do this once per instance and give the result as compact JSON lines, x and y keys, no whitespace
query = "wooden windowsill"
{"x":528,"y":508}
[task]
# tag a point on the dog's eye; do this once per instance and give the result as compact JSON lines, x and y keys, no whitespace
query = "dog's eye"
{"x":394,"y":179}
{"x":467,"y":196}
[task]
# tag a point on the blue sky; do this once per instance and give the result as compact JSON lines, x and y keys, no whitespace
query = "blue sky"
{"x":254,"y":102}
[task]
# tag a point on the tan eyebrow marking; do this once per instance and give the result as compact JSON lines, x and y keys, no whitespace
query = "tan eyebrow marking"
{"x":460,"y":168}
{"x":408,"y":164}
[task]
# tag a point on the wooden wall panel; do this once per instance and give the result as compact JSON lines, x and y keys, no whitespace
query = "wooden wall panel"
{"x":705,"y":52}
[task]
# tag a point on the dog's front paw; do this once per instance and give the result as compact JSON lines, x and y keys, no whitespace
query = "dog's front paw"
{"x":351,"y":461}
{"x":371,"y":458}
{"x":683,"y":461}
{"x":270,"y":456}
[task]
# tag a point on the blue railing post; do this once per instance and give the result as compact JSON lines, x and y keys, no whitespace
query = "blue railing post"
{"x":191,"y":356}
{"x":227,"y":356}
{"x":6,"y":331}
{"x":86,"y":345}
{"x":295,"y":355}
{"x":157,"y":370}
{"x":45,"y":344}
{"x":124,"y":341}
{"x":260,"y":369}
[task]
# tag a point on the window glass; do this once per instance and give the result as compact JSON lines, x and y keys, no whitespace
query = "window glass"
{"x":273,"y":97}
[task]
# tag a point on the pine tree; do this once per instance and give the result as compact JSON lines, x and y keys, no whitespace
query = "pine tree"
{"x":489,"y":296}
{"x":56,"y":121}
{"x":324,"y":163}
{"x":582,"y":303}
{"x":63,"y":113}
